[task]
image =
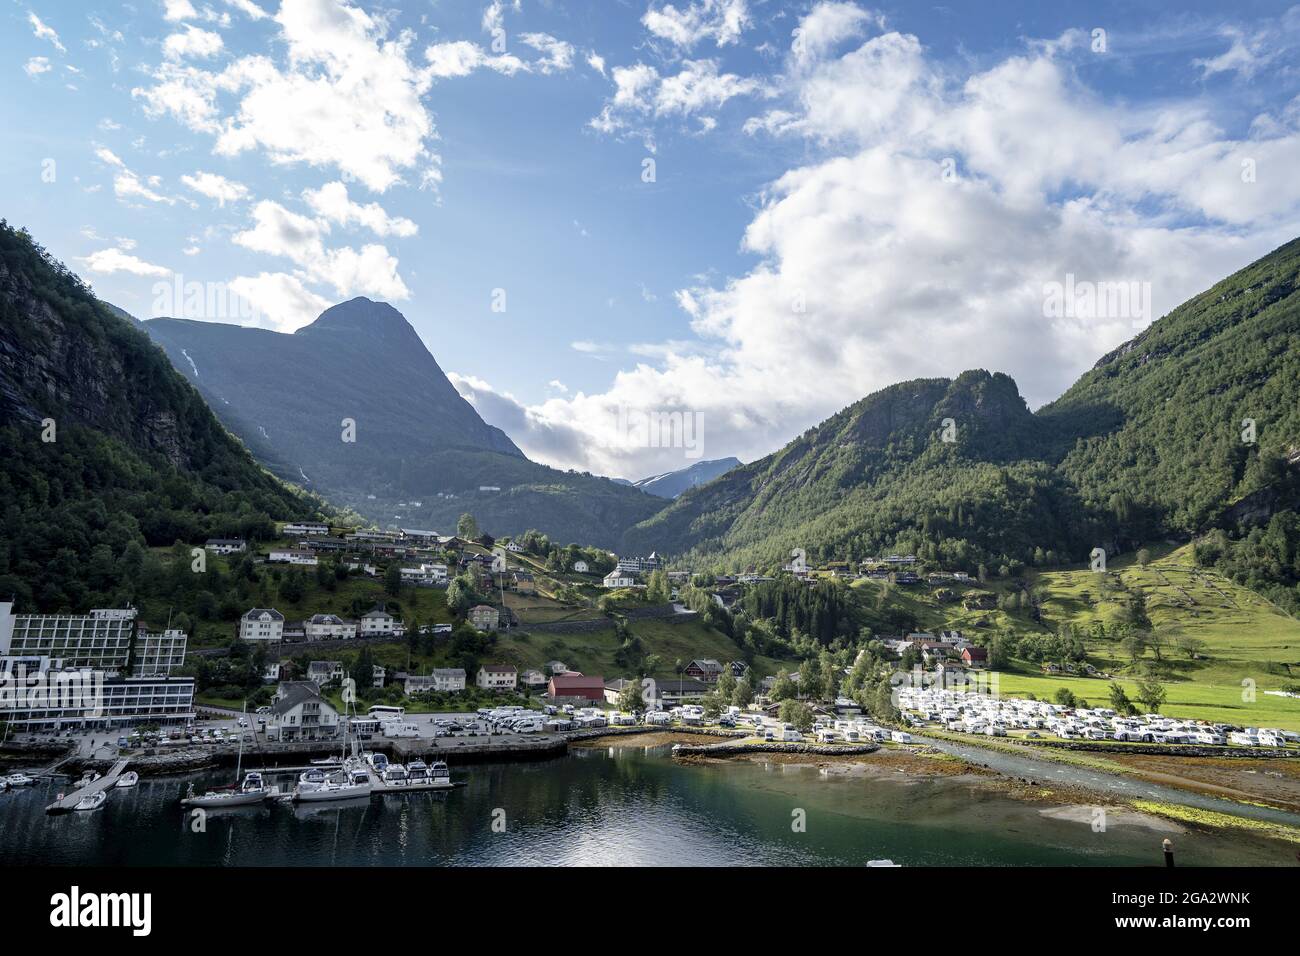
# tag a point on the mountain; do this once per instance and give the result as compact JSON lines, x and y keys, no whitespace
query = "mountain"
{"x":421,"y":455}
{"x":1147,"y":444}
{"x":106,"y":449}
{"x":672,"y":483}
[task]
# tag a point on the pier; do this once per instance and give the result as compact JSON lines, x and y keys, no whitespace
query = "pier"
{"x":70,"y":801}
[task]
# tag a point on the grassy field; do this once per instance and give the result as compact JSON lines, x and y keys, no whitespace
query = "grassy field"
{"x":1243,"y":637}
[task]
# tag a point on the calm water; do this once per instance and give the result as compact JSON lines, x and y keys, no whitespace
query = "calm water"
{"x":605,"y":807}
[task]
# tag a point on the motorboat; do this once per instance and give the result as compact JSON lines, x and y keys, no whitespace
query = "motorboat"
{"x":378,"y":763}
{"x":417,"y":773}
{"x":127,"y":780}
{"x":91,"y":801}
{"x":395,"y":775}
{"x":252,"y":791}
{"x":439,"y":775}
{"x":19,"y":780}
{"x":87,"y":779}
{"x":345,"y":784}
{"x":312,"y":778}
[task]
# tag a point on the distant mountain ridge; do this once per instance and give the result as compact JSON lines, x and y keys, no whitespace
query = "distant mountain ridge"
{"x":1148,"y":443}
{"x":360,"y":365}
{"x":670,"y":484}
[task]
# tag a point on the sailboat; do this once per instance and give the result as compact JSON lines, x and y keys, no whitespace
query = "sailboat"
{"x":352,"y":780}
{"x":253,"y":790}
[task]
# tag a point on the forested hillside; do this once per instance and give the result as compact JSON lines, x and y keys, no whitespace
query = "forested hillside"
{"x":1190,"y":429}
{"x":106,"y":449}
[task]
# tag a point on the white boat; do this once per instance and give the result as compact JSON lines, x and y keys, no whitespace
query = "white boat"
{"x":342,"y":785}
{"x":19,"y":780}
{"x":91,"y":801}
{"x":87,"y":779}
{"x":128,"y":779}
{"x":439,"y":775}
{"x":395,"y":775}
{"x":417,"y":773}
{"x":253,"y":791}
{"x":378,"y":762}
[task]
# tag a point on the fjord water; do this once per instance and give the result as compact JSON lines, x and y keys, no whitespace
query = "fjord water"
{"x":607,"y":807}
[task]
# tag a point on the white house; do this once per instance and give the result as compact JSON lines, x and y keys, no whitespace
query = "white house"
{"x":444,"y":679}
{"x":262,"y":624}
{"x":291,"y":556}
{"x":619,"y":579}
{"x":497,"y":677}
{"x":329,"y":627}
{"x":225,"y":545}
{"x":379,"y":623}
{"x":425,"y":575}
{"x":305,"y":527}
{"x":516,"y":548}
{"x":580,"y":567}
{"x":299,"y":712}
{"x":323,"y":672}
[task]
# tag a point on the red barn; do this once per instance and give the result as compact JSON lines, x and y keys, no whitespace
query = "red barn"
{"x":575,"y":687}
{"x":974,"y":656}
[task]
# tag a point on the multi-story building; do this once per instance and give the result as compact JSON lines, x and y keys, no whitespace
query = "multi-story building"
{"x":444,"y":679}
{"x":291,"y":556}
{"x":226,"y":545}
{"x":379,"y":623}
{"x":640,"y":565}
{"x":90,"y":671}
{"x":484,"y":617}
{"x":158,"y":654}
{"x":101,"y":639}
{"x":497,"y":677}
{"x":299,"y":712}
{"x":305,"y":527}
{"x":262,"y":624}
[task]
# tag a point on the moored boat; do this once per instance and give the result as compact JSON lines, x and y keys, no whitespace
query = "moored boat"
{"x":19,"y":780}
{"x":343,"y":785}
{"x":252,"y":791}
{"x":127,"y":780}
{"x":91,"y":801}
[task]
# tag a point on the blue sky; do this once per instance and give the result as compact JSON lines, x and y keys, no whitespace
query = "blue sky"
{"x":432,"y":153}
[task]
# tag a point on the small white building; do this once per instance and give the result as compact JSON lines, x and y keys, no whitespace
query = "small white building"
{"x":497,"y":677}
{"x":225,"y":545}
{"x":425,"y":575}
{"x":447,"y":680}
{"x":291,"y":556}
{"x":619,"y":579}
{"x":321,"y":673}
{"x":379,"y":623}
{"x":329,"y":627}
{"x":305,"y":527}
{"x":262,"y":624}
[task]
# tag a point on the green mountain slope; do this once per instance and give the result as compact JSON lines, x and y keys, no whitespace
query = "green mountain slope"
{"x":1147,"y":444}
{"x":416,"y":438}
{"x":105,"y":448}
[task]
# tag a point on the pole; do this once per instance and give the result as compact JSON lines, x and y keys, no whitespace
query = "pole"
{"x":1168,"y":847}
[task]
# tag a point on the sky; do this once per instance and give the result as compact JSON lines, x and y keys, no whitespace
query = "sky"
{"x":637,"y":234}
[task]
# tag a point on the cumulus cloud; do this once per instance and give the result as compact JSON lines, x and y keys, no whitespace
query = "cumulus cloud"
{"x":722,"y":21}
{"x":641,"y":95}
{"x":331,"y":202}
{"x":370,"y":270}
{"x":111,"y":261}
{"x":918,"y":238}
{"x":461,"y":58}
{"x":192,"y":42}
{"x":216,"y":187}
{"x":36,"y":66}
{"x":281,"y":300}
{"x":345,"y":96}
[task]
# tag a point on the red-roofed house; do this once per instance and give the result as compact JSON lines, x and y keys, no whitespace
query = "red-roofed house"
{"x":576,"y":687}
{"x":973,"y":656}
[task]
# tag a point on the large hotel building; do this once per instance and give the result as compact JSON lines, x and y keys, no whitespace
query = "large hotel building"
{"x":94,"y":670}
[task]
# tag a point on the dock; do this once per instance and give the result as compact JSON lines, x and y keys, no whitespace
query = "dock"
{"x":70,"y":801}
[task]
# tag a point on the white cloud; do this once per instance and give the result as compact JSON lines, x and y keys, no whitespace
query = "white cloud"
{"x":697,"y":89}
{"x":371,"y":270}
{"x":722,"y":21}
{"x":346,"y":96}
{"x":110,"y":261}
{"x":281,"y":300}
{"x":216,"y":187}
{"x":557,"y":54}
{"x":193,"y":42}
{"x":331,"y":203}
{"x":874,"y":267}
{"x":36,"y":66}
{"x":248,"y":8}
{"x":461,"y":58}
{"x":44,"y":32}
{"x":174,"y":10}
{"x":596,"y":62}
